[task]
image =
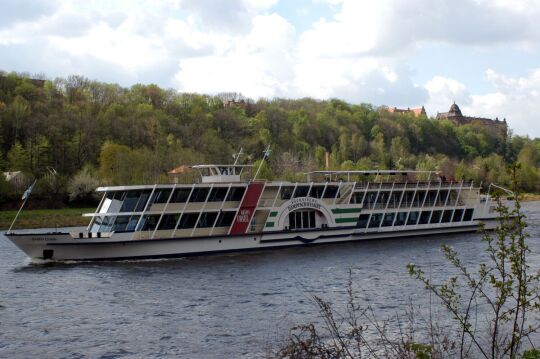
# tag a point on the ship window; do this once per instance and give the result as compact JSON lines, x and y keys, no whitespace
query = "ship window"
{"x":286,"y":192}
{"x":388,"y":219}
{"x":370,"y":199}
{"x":236,"y":194}
{"x":207,"y":220}
{"x":435,"y":217}
{"x":149,"y":222}
{"x":413,"y":218}
{"x":424,"y":217}
{"x":458,"y":213}
{"x":301,"y":191}
{"x":188,"y":220}
{"x":120,"y":224}
{"x":331,"y":192}
{"x":375,"y":220}
{"x":96,"y":224}
{"x":302,"y":219}
{"x":442,"y":197}
{"x":132,"y":223}
{"x":447,"y":216}
{"x":106,"y":224}
{"x":468,"y":214}
{"x":225,"y":219}
{"x":180,"y":195}
{"x":357,"y":197}
{"x":400,"y":219}
{"x":316,"y":191}
{"x":362,"y":221}
{"x":134,"y":201}
{"x":169,"y":221}
{"x":217,"y":194}
{"x":161,"y":195}
{"x":199,"y":194}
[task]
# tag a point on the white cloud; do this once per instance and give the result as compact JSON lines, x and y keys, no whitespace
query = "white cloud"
{"x":358,"y":51}
{"x":515,"y":98}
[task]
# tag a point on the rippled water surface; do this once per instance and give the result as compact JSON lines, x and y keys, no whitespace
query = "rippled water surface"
{"x":225,"y":306}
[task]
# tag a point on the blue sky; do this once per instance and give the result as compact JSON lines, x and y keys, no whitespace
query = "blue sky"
{"x":484,"y":54}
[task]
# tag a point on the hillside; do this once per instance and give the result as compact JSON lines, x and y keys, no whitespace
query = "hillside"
{"x":102,"y":133}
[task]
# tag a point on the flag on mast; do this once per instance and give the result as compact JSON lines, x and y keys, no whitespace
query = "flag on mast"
{"x":27,"y":193}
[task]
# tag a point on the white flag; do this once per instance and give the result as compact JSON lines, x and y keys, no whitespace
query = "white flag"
{"x":26,"y":193}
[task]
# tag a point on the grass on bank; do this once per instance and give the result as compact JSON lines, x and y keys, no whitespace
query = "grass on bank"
{"x":45,"y":218}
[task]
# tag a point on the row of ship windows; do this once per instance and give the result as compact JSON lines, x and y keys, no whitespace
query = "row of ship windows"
{"x":393,"y":199}
{"x":135,"y":201}
{"x":168,"y":222}
{"x":414,"y":218}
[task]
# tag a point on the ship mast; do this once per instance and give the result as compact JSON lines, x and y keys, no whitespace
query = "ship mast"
{"x":266,"y":154}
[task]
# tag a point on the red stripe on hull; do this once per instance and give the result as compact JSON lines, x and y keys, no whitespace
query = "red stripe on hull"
{"x":247,"y":208}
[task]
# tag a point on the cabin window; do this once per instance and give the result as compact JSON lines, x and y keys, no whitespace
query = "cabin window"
{"x":168,"y":221}
{"x":207,"y":220}
{"x":362,"y":221}
{"x":316,"y":191}
{"x":149,"y":222}
{"x":424,"y":217}
{"x":96,"y":224}
{"x":388,"y":219}
{"x":180,"y":195}
{"x":236,"y":194}
{"x":400,"y":219}
{"x":135,"y":201}
{"x":302,"y":219}
{"x":370,"y":199}
{"x":458,"y":213}
{"x":357,"y":197}
{"x":286,"y":192}
{"x":120,"y":224}
{"x":375,"y":221}
{"x":188,"y":220}
{"x":447,"y":216}
{"x":112,"y":202}
{"x":217,"y":194}
{"x":199,"y":194}
{"x":225,"y":219}
{"x":161,"y":195}
{"x":468,"y":214}
{"x":301,"y":191}
{"x":413,"y":218}
{"x":443,"y":195}
{"x":331,"y":192}
{"x":435,"y":217}
{"x":106,"y":224}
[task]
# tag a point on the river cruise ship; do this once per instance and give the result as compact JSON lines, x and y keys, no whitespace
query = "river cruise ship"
{"x":224,"y":213}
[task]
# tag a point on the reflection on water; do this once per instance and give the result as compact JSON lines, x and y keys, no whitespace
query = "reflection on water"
{"x":230,"y":305}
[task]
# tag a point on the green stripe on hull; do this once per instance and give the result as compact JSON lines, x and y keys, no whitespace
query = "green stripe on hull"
{"x":270,"y":224}
{"x":346,"y":220}
{"x":273,"y":214}
{"x":346,"y":210}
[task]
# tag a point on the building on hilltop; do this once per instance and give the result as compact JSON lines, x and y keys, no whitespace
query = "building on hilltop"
{"x":493,"y":126}
{"x":417,"y":112}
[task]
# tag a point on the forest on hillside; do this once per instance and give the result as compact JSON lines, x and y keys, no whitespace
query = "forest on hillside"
{"x":74,"y":134}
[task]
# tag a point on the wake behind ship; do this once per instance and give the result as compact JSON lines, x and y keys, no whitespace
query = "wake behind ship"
{"x":223,"y":213}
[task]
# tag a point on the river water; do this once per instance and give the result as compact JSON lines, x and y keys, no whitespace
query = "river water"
{"x":223,"y":306}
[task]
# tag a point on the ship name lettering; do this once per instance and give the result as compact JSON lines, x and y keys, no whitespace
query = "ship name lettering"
{"x":304,"y":202}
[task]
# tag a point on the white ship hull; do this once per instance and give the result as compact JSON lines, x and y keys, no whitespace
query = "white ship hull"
{"x":62,"y":246}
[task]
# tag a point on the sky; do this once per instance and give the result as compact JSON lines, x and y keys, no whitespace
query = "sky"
{"x":482,"y":54}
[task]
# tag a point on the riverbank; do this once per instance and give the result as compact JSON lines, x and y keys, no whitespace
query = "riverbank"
{"x":528,"y":197}
{"x":45,"y":218}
